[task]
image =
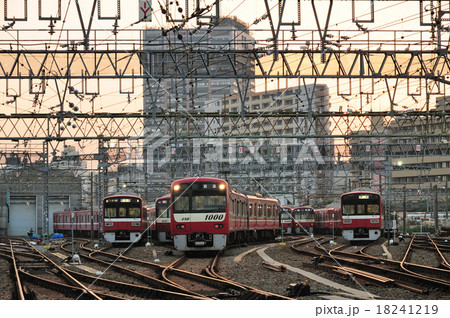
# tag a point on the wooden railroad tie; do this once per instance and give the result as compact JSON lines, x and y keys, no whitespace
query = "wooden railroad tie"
{"x":277,"y":268}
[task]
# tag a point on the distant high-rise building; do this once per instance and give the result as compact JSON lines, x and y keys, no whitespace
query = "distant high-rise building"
{"x":186,"y":94}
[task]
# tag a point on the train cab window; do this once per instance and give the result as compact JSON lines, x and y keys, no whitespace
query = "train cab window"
{"x":111,"y":212}
{"x":122,"y":212}
{"x":134,"y":212}
{"x":373,"y":209}
{"x":348,"y":209}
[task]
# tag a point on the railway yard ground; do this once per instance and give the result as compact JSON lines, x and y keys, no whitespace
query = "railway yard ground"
{"x":296,"y":268}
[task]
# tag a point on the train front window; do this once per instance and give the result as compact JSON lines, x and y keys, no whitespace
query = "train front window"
{"x":285,"y":216}
{"x":303,"y":214}
{"x":360,"y":204}
{"x":134,"y":212}
{"x":122,"y":207}
{"x":163,"y":208}
{"x":200,"y":197}
{"x":111,"y":212}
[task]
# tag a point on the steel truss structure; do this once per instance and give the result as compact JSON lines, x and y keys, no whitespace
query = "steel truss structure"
{"x":74,"y":67}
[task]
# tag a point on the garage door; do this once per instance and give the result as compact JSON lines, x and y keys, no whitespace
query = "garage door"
{"x":22,"y":216}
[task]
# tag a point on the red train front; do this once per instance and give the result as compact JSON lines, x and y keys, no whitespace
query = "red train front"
{"x":286,"y":219}
{"x":362,"y":216}
{"x":199,"y":215}
{"x":125,"y":218}
{"x":303,"y":220}
{"x":162,"y":206}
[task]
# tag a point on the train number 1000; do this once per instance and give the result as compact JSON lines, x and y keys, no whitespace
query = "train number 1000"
{"x":214,"y":217}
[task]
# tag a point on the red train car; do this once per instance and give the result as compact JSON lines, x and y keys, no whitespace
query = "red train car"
{"x":125,"y":218}
{"x":207,"y":214}
{"x":62,"y":222}
{"x":328,"y":221}
{"x":303,"y":220}
{"x":286,"y":219}
{"x":162,"y":206}
{"x":362,"y":216}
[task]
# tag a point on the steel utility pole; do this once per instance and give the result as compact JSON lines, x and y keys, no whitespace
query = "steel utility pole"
{"x":404,"y":210}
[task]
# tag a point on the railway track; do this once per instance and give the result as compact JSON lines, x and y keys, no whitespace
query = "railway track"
{"x":29,"y":263}
{"x":379,"y":271}
{"x":180,"y":280}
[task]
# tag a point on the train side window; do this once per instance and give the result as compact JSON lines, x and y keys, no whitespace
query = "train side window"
{"x":250,"y":209}
{"x":269,"y":211}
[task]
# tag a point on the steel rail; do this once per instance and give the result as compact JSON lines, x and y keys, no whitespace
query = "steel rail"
{"x":74,"y":290}
{"x":402,"y":273}
{"x":172,"y":266}
{"x":444,"y":262}
{"x":248,"y":292}
{"x":68,"y":276}
{"x":19,"y":286}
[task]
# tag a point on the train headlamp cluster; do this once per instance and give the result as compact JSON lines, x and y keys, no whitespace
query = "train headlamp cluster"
{"x":176,"y":187}
{"x":221,"y":186}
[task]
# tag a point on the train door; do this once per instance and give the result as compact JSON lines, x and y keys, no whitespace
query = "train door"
{"x":247,"y":210}
{"x":265,"y":215}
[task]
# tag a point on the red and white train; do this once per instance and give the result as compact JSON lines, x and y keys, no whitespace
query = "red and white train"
{"x":360,"y":217}
{"x":303,"y":220}
{"x":125,"y":220}
{"x":62,"y":222}
{"x":207,"y":214}
{"x":162,"y":206}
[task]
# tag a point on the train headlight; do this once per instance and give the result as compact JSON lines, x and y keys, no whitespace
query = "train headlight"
{"x":181,"y":226}
{"x":346,"y":221}
{"x":218,"y":226}
{"x":221,"y":186}
{"x":374,"y":221}
{"x":176,"y":187}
